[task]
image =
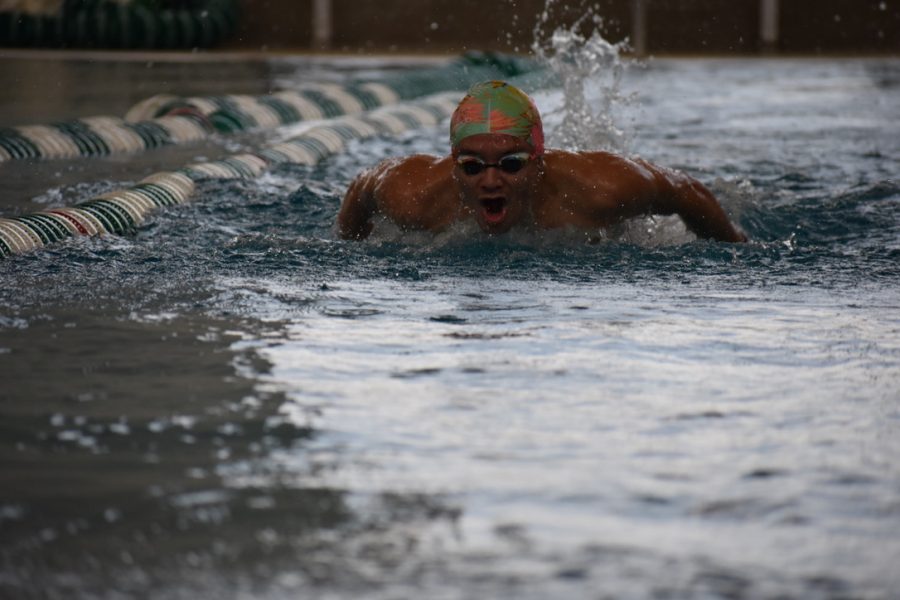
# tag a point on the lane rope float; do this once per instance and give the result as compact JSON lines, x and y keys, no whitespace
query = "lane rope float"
{"x":99,"y":136}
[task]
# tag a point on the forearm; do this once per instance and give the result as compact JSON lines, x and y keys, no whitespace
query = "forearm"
{"x":352,"y":227}
{"x":354,"y":220}
{"x":703,"y":214}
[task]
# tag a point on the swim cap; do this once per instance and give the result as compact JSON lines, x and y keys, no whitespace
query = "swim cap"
{"x":497,"y":107}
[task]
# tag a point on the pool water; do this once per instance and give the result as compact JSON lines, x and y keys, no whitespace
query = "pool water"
{"x":232,"y":403}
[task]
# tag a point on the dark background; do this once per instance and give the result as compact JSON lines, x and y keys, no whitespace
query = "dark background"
{"x":672,"y":26}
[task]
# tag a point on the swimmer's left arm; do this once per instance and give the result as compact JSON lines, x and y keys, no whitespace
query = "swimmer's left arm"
{"x":634,"y":188}
{"x":686,"y":197}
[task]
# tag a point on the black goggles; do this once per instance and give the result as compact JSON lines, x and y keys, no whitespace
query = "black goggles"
{"x":511,"y":163}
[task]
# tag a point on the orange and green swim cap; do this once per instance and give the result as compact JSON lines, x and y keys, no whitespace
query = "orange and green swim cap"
{"x":497,"y":107}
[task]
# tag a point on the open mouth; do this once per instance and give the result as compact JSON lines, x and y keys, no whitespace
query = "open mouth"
{"x":493,"y":209}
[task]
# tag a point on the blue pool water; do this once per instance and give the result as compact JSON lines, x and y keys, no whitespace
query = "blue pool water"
{"x":233,"y":403}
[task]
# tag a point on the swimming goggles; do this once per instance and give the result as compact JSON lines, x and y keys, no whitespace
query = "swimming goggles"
{"x":511,"y":163}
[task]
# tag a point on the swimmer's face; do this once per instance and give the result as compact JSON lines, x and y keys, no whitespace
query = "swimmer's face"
{"x":497,"y":177}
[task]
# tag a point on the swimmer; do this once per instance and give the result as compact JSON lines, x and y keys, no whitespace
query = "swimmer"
{"x":499,"y":175}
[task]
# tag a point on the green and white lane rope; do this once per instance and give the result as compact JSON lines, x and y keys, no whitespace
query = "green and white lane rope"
{"x":99,"y":136}
{"x":121,"y":211}
{"x":165,"y":120}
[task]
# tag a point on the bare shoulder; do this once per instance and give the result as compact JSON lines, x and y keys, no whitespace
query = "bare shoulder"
{"x":396,"y":179}
{"x":597,"y":189}
{"x":394,"y":175}
{"x":414,"y":192}
{"x":416,"y":177}
{"x":600,"y":180}
{"x":598,"y":167}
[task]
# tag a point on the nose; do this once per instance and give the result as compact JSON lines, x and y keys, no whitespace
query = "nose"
{"x":490,"y":179}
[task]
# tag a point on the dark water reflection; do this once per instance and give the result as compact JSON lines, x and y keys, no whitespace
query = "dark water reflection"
{"x":112,"y":435}
{"x":119,"y":437}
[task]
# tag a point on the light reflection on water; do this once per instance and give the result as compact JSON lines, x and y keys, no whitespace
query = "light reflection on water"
{"x":728,"y":427}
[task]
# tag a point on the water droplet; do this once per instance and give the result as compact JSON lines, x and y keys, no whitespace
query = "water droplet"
{"x":588,"y":114}
{"x":261,"y":502}
{"x":120,"y":428}
{"x":112,"y":515}
{"x":290,"y":580}
{"x":11,"y":511}
{"x":267,"y":537}
{"x":228,"y":429}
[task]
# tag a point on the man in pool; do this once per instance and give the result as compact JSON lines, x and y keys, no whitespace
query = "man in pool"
{"x":499,"y":175}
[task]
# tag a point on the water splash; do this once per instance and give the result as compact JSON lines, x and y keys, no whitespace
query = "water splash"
{"x":589,"y":69}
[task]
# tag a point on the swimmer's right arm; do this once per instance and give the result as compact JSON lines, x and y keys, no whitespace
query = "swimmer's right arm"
{"x":354,"y":221}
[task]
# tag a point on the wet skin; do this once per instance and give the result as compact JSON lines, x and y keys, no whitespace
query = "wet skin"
{"x":588,"y":191}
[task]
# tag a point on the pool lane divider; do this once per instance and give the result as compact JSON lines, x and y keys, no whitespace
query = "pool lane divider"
{"x":121,"y":211}
{"x":180,"y":120}
{"x":165,"y":120}
{"x":99,"y":136}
